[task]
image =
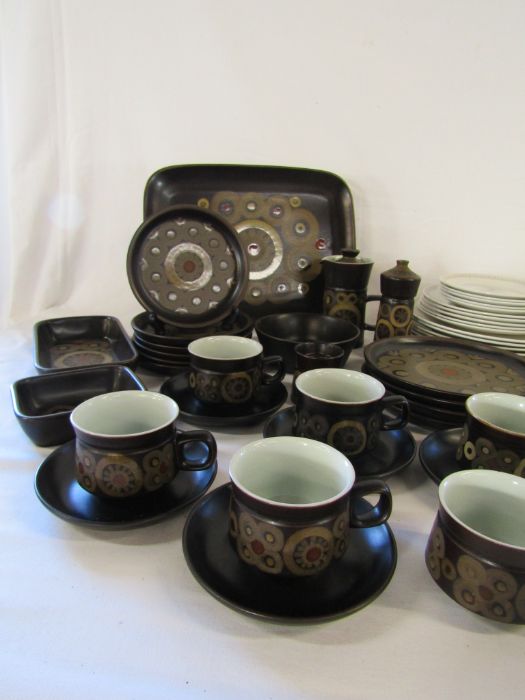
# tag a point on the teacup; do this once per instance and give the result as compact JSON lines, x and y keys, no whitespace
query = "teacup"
{"x":313,"y":355}
{"x":229,"y":369}
{"x":292,"y":505}
{"x":127,"y":444}
{"x":494,"y":433}
{"x":345,"y":409}
{"x":476,"y":548}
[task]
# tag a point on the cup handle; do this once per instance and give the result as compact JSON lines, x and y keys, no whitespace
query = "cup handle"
{"x":394,"y":423}
{"x":377,"y":514}
{"x":272,"y":369}
{"x":201,"y":436}
{"x":371,"y":297}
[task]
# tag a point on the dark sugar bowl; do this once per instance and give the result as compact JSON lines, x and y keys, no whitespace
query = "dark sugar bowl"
{"x":43,"y":404}
{"x":280,"y":333}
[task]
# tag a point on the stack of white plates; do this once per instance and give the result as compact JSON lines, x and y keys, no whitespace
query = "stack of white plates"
{"x":481,"y":308}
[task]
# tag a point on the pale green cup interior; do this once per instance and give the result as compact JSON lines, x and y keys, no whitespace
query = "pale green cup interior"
{"x":124,"y":413}
{"x":225,"y":347}
{"x":503,"y":411}
{"x":338,"y":385}
{"x":490,"y":503}
{"x":291,"y":470}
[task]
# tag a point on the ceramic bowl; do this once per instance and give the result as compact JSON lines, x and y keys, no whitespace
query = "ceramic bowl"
{"x":280,"y":333}
{"x":44,"y":403}
{"x":476,"y":548}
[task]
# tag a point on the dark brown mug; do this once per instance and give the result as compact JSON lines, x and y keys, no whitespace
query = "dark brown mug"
{"x":346,"y":409}
{"x":292,"y":507}
{"x":127,"y":444}
{"x":229,"y":369}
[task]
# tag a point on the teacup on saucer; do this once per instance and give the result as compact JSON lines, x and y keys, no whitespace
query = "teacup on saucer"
{"x":395,"y":449}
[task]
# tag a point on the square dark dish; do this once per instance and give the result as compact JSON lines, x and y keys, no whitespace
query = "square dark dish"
{"x":81,"y":341}
{"x":44,"y":403}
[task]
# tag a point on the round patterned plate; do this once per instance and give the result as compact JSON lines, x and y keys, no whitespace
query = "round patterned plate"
{"x":444,"y":367}
{"x":187,"y":266}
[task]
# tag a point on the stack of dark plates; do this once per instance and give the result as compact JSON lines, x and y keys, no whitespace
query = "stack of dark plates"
{"x":437,"y":375}
{"x":163,"y":348}
{"x":188,"y":269}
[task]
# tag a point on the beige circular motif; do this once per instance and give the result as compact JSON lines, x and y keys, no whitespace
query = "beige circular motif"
{"x":118,"y":475}
{"x":347,"y":436}
{"x":308,"y":551}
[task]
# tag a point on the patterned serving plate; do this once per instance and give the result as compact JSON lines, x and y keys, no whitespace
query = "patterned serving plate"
{"x":287,"y":219}
{"x":443,"y":367}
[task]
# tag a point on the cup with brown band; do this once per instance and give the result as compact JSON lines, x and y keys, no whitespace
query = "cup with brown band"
{"x":494,"y":433}
{"x":293,"y":505}
{"x":229,"y":369}
{"x":346,"y":409}
{"x":127,"y":444}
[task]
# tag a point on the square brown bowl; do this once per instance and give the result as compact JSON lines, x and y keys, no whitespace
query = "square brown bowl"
{"x":44,"y":403}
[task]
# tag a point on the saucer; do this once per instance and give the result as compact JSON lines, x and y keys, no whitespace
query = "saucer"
{"x":266,"y":401}
{"x":57,"y":488}
{"x":394,"y":451}
{"x":348,"y":585}
{"x":437,"y":453}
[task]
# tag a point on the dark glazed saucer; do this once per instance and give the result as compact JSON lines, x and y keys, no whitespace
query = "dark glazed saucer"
{"x":437,"y":454}
{"x":57,"y":488}
{"x":267,"y":400}
{"x":345,"y":587}
{"x":395,"y":451}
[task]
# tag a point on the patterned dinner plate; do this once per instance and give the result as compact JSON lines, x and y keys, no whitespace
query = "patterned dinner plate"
{"x":445,"y":367}
{"x":59,"y":491}
{"x":345,"y":587}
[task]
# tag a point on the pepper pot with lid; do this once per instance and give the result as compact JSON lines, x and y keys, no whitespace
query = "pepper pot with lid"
{"x":399,"y":287}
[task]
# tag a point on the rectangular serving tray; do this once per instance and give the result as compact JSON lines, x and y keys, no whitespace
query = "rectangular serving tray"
{"x":81,"y":341}
{"x":288,"y":220}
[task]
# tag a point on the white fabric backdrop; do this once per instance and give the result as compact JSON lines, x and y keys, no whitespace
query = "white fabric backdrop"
{"x":418,"y":105}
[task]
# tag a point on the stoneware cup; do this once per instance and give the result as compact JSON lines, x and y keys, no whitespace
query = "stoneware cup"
{"x":228,"y":369}
{"x":494,"y":433}
{"x":345,"y":409}
{"x":476,"y":548}
{"x":313,"y":355}
{"x":292,"y":505}
{"x":127,"y":444}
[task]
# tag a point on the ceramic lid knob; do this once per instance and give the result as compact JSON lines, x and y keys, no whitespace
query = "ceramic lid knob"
{"x":346,"y":270}
{"x":400,"y":281}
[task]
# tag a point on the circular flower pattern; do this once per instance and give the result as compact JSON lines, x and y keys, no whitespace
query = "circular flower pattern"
{"x":308,"y":551}
{"x":400,"y":315}
{"x":348,"y":436}
{"x":237,"y":387}
{"x":118,"y":475}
